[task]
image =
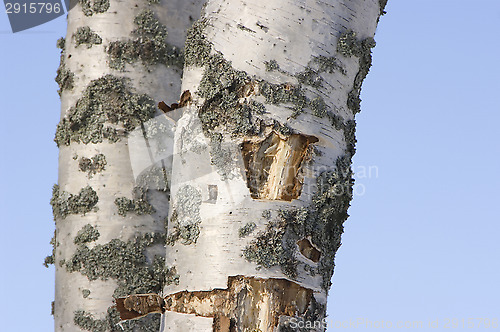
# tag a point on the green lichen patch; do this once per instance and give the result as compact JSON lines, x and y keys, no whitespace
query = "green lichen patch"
{"x":295,"y":95}
{"x":86,"y":234}
{"x":49,"y":260}
{"x":328,"y":65}
{"x":85,"y":293}
{"x":382,"y":4}
{"x":348,"y":45}
{"x":348,"y":128}
{"x":311,"y":75}
{"x":139,"y":204}
{"x":272,"y":65}
{"x":283,"y":94}
{"x":149,"y":46}
{"x":350,"y":137}
{"x":65,"y":79}
{"x":125,"y":262}
{"x":227,"y":107}
{"x":323,"y":220}
{"x":247,"y":229}
{"x":222,"y":158}
{"x":85,"y":35}
{"x":198,"y":48}
{"x":64,"y":203}
{"x":108,"y":109}
{"x":93,"y":165}
{"x":188,"y":234}
{"x":91,"y":7}
{"x":61,"y":43}
{"x":186,"y":216}
{"x":318,"y":107}
{"x":171,"y":276}
{"x":111,"y":322}
{"x":271,"y":249}
{"x":87,"y":322}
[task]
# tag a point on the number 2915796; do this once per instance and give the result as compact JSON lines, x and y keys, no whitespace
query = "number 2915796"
{"x":33,"y":8}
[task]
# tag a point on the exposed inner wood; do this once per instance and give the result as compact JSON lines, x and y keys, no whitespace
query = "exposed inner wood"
{"x":248,"y":303}
{"x":308,"y":250}
{"x":273,"y":165}
{"x":222,"y":323}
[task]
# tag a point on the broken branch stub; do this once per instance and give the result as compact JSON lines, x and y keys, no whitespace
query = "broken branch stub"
{"x":273,"y":165}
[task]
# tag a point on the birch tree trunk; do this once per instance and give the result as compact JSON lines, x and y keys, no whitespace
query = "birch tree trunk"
{"x":261,"y":178}
{"x":118,"y":60}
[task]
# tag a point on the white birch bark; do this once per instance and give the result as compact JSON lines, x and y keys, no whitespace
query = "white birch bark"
{"x":220,"y":226}
{"x":82,"y":303}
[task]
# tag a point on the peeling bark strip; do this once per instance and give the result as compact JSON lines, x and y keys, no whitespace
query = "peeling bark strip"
{"x":249,"y":303}
{"x":273,"y":164}
{"x":183,"y":101}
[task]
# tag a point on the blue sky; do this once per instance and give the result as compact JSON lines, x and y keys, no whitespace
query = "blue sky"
{"x":422,"y":243}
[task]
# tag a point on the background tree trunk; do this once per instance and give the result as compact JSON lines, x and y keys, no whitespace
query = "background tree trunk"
{"x":261,"y":171}
{"x":119,"y":59}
